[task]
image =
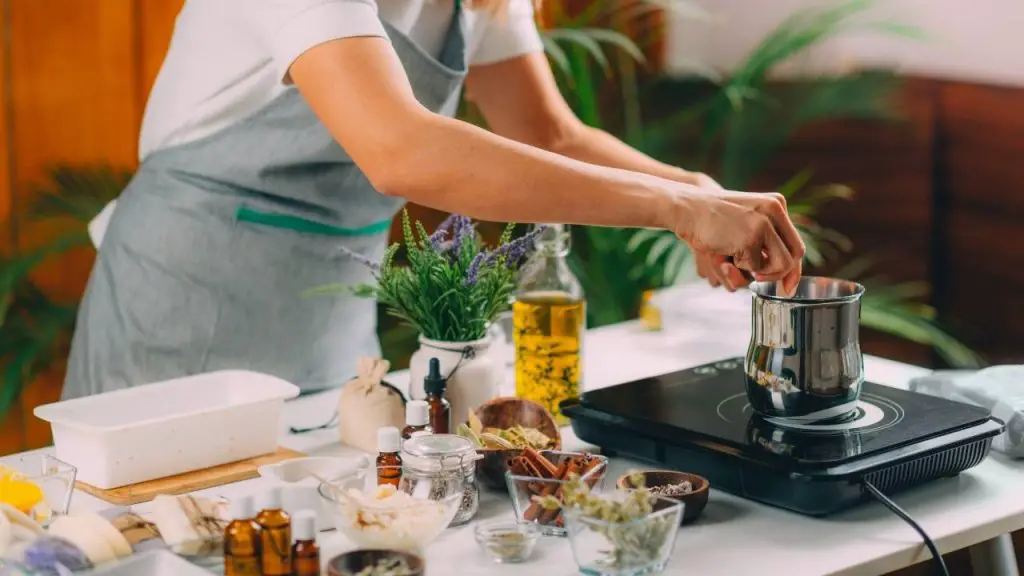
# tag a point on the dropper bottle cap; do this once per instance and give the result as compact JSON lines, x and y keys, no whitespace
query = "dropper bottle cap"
{"x":434,"y":383}
{"x":389,"y":439}
{"x":304,"y":526}
{"x":417,"y":413}
{"x":240,"y":508}
{"x":272,"y":499}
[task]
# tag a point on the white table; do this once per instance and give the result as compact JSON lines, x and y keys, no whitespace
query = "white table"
{"x":735,"y":536}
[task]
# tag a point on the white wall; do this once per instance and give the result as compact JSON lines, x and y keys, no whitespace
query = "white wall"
{"x":973,"y":40}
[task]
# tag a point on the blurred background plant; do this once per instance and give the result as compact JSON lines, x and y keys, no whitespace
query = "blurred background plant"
{"x":35,"y":328}
{"x":729,"y":127}
{"x":605,"y":55}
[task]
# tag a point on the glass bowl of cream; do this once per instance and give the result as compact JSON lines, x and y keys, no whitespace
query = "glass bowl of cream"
{"x":407,"y":514}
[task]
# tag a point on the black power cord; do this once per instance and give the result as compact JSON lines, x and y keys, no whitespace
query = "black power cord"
{"x":940,"y":564}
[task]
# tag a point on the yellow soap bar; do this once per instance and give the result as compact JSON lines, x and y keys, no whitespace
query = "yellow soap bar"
{"x":20,"y":494}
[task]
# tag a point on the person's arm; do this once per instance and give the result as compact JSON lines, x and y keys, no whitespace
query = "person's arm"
{"x":360,"y":92}
{"x":520,"y":100}
{"x":358,"y":89}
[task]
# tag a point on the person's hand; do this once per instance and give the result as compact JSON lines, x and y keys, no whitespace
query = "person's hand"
{"x":753,"y":230}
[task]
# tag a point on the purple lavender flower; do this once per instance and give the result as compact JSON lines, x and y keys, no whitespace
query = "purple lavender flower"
{"x":474,"y":268}
{"x":375,"y":266}
{"x":437,"y":239}
{"x":515,"y":250}
{"x":462,"y":230}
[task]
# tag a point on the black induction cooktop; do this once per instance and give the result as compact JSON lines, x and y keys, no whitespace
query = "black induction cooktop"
{"x":699,"y":420}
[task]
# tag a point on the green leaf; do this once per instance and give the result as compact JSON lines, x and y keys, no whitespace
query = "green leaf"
{"x":583,"y":40}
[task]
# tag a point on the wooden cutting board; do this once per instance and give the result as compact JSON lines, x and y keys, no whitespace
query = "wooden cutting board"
{"x":189,"y":481}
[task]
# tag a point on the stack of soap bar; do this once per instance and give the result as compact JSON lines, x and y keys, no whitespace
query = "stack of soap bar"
{"x":141,"y":534}
{"x":92,"y":534}
{"x":190,"y":525}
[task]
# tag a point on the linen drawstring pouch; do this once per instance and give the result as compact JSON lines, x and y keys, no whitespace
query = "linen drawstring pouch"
{"x":367,"y":404}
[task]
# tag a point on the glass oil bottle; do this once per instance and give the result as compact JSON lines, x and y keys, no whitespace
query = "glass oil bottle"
{"x":276,"y":535}
{"x":438,"y":409}
{"x":548,"y":322}
{"x":242,"y":540}
{"x":417,"y":418}
{"x":389,"y":461}
{"x":305,"y":552}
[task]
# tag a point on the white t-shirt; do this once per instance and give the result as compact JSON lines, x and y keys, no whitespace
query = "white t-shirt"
{"x":229,"y":58}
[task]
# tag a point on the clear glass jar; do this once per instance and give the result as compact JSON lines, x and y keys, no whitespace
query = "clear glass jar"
{"x":549,"y":318}
{"x":427,"y":460}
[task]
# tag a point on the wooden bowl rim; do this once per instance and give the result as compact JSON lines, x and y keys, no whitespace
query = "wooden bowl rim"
{"x":704,"y":484}
{"x":512,"y":399}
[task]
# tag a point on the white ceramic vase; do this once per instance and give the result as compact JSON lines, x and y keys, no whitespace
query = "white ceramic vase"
{"x":478,"y":378}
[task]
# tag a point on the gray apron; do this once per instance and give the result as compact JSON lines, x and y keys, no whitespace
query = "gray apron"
{"x":210,"y":248}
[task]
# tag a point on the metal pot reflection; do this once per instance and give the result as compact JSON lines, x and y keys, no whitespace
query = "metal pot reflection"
{"x":804,"y":356}
{"x":800,"y":445}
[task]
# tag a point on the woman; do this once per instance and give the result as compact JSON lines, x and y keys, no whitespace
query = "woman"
{"x":280,"y":132}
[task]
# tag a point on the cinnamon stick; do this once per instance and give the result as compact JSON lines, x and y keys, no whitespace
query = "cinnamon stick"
{"x":575,"y":465}
{"x":545,"y":489}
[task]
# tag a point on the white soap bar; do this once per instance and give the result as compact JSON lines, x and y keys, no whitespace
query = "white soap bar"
{"x":187,"y":523}
{"x":80,"y":532}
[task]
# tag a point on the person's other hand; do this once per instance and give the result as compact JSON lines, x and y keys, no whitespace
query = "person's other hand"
{"x":753,"y":230}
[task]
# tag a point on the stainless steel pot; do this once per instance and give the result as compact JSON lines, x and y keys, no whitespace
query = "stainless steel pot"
{"x":804,"y":359}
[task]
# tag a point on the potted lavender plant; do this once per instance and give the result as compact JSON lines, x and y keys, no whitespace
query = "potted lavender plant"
{"x":453,"y":288}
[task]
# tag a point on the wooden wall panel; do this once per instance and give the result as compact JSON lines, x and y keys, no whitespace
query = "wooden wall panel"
{"x":6,"y":228}
{"x":74,"y":102}
{"x":982,"y":258}
{"x":12,"y":433}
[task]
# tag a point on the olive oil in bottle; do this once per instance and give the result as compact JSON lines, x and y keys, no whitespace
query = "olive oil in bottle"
{"x":548,"y":321}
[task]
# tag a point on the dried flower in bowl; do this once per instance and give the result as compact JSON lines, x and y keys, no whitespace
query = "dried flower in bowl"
{"x":628,"y":532}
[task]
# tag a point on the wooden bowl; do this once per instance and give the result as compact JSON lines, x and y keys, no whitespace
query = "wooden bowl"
{"x":693,"y":503}
{"x":352,"y":563}
{"x":507,"y":412}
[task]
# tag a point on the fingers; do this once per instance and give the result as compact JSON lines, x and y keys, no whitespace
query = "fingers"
{"x":708,"y":268}
{"x":778,"y":213}
{"x":765,"y":254}
{"x":734,"y":276}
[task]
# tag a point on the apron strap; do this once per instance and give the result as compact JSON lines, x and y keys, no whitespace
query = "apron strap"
{"x":453,"y":52}
{"x":289,"y":222}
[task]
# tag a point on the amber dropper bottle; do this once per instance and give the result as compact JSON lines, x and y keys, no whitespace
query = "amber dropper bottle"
{"x":305,"y":552}
{"x":389,"y":462}
{"x":276,"y":536}
{"x":437,"y":405}
{"x":417,"y":418}
{"x":242,"y":540}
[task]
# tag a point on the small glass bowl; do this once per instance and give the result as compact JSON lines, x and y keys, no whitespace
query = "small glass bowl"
{"x":54,"y":478}
{"x":507,"y":541}
{"x":429,"y":509}
{"x":643,"y":546}
{"x":523,"y":488}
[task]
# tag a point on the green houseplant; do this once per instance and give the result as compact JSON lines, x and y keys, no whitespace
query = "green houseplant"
{"x":451,"y":291}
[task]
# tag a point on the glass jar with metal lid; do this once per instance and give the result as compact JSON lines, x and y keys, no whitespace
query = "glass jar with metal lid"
{"x":429,"y":457}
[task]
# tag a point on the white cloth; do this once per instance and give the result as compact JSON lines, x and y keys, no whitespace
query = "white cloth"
{"x":229,"y":58}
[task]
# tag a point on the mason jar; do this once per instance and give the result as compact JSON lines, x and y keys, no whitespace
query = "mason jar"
{"x":431,"y":457}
